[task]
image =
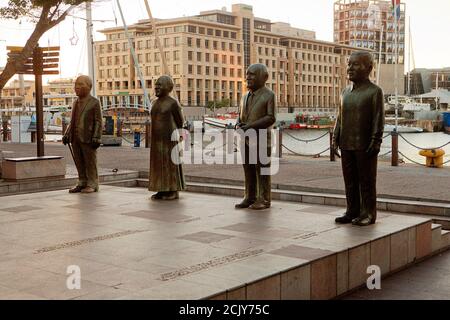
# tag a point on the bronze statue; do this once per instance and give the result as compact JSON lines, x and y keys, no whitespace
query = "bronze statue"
{"x":84,"y":136}
{"x":166,"y":176}
{"x":257,"y":112}
{"x":358,"y":133}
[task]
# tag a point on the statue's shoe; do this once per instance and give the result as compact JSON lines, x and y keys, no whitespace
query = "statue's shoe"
{"x":260,"y":205}
{"x":157,"y":196}
{"x":364,"y":221}
{"x":76,"y":189}
{"x":170,"y":196}
{"x":88,"y":190}
{"x":345,"y":219}
{"x":244,"y":204}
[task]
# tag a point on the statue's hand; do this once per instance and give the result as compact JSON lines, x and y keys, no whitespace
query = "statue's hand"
{"x":373,"y":149}
{"x":245,"y":127}
{"x":95,"y":143}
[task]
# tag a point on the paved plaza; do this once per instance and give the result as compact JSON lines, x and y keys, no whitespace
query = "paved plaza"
{"x":129,"y":247}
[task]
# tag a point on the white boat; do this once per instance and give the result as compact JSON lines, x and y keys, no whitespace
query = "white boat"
{"x":408,"y":104}
{"x":416,"y":106}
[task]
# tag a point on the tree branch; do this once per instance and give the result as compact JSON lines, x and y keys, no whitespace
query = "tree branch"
{"x":55,"y":11}
{"x":62,"y":17}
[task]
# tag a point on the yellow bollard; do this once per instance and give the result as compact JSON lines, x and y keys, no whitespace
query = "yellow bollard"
{"x":434,"y":157}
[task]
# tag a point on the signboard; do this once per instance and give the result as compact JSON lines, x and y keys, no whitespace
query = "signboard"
{"x":19,"y":129}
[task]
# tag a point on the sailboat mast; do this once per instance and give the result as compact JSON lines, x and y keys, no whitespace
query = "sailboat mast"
{"x":409,"y":57}
{"x":437,"y":88}
{"x":90,"y":45}
{"x":396,"y":64}
{"x":379,"y":54}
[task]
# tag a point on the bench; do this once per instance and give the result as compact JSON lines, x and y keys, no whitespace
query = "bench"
{"x":30,"y":168}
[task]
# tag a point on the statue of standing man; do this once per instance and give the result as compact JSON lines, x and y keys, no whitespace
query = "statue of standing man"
{"x":166,"y":171}
{"x":84,"y":134}
{"x":257,"y":114}
{"x":358,"y":133}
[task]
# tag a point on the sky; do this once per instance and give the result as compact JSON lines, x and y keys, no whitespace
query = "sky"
{"x":429,"y":25}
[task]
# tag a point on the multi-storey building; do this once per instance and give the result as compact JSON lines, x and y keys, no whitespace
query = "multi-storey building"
{"x":440,"y":79}
{"x":423,"y":80}
{"x":16,"y":98}
{"x":370,"y":24}
{"x":60,"y":92}
{"x":208,"y":54}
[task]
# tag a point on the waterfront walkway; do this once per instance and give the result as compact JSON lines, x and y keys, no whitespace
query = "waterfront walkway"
{"x":315,"y":175}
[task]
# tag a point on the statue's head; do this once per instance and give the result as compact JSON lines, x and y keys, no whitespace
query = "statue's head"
{"x":257,"y":76}
{"x":360,"y":65}
{"x":163,"y":86}
{"x":83,"y":86}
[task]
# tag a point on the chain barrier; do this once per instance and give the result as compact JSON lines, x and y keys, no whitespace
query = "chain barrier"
{"x":413,"y":161}
{"x":304,"y":140}
{"x":305,"y":155}
{"x":417,"y":147}
{"x":128,"y":141}
{"x":386,"y":136}
{"x":385,"y":154}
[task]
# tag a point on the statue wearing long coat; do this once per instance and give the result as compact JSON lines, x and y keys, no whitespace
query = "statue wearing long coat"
{"x":165,"y":175}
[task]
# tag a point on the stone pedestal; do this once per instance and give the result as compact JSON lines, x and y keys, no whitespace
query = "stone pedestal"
{"x":17,"y":169}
